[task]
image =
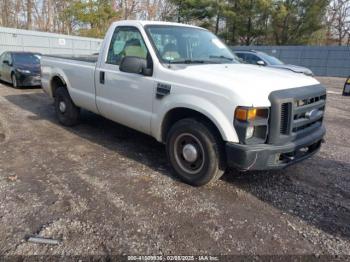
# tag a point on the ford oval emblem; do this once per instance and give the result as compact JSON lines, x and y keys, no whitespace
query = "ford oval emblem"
{"x":311,"y":114}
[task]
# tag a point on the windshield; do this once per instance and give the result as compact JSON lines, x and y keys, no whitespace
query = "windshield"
{"x":271,"y":60}
{"x":179,"y":44}
{"x":26,"y":59}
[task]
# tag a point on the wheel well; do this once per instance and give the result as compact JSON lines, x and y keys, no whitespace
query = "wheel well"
{"x":177,"y":114}
{"x":57,"y":82}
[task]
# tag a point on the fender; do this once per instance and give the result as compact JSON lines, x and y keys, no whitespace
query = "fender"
{"x":203,"y":106}
{"x":48,"y":74}
{"x":81,"y":91}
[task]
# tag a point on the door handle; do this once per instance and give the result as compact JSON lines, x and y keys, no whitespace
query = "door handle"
{"x":102,"y":77}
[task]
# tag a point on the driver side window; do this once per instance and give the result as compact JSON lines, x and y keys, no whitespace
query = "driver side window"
{"x":126,"y":41}
{"x":5,"y":57}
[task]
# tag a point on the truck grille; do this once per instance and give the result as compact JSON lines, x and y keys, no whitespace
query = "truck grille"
{"x":308,"y":112}
{"x":285,"y":117}
{"x":295,"y":113}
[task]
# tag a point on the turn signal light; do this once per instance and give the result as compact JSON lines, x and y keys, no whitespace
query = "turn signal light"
{"x":245,"y":114}
{"x":251,"y":113}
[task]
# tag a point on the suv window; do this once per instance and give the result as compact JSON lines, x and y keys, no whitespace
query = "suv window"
{"x":126,"y":41}
{"x":251,"y":58}
{"x":241,"y":56}
{"x":7,"y":57}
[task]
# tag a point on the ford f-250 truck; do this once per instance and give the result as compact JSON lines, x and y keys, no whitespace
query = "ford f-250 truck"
{"x":183,"y":86}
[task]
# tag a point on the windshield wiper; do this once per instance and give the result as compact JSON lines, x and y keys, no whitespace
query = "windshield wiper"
{"x":188,"y":61}
{"x":221,"y":57}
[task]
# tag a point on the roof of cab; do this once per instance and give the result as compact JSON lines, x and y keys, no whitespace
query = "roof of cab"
{"x":143,"y":23}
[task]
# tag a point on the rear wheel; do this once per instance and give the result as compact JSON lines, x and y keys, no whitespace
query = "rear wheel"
{"x":67,"y":112}
{"x":195,"y":152}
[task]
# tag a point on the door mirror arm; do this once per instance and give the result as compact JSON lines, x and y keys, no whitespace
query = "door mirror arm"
{"x":147,"y":71}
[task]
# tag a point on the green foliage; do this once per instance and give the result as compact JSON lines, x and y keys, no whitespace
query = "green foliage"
{"x":256,"y":21}
{"x":92,"y":17}
{"x":250,"y":20}
{"x":294,"y":21}
{"x":200,"y":10}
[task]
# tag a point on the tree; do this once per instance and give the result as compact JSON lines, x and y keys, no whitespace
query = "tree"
{"x":29,"y":14}
{"x":195,"y":11}
{"x":252,"y":16}
{"x":91,"y":17}
{"x":294,"y":21}
{"x":338,"y":20}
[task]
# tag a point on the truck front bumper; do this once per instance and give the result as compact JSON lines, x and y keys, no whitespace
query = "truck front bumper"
{"x":264,"y":157}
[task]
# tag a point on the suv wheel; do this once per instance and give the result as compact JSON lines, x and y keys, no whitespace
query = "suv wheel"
{"x":195,"y":152}
{"x":67,"y":112}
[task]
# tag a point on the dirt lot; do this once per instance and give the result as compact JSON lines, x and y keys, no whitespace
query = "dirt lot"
{"x":104,"y":189}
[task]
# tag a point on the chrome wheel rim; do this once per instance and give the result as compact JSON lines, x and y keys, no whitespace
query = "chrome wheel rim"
{"x":14,"y":81}
{"x":62,"y":106}
{"x":189,"y":153}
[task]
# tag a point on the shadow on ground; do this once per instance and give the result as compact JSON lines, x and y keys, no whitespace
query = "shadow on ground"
{"x":316,"y":191}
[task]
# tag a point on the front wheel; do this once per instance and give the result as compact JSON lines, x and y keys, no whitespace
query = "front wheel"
{"x":195,"y":152}
{"x":67,"y":112}
{"x":14,"y":81}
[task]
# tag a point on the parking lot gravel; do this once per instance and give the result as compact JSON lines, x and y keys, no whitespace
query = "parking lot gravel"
{"x":103,"y":189}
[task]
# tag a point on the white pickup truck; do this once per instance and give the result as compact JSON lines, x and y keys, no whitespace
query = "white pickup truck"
{"x":181,"y":85}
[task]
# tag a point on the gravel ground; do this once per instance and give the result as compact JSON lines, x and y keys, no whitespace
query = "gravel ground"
{"x":101,"y":188}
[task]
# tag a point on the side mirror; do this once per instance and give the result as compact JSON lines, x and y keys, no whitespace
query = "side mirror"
{"x":260,"y":62}
{"x":6,"y":62}
{"x":136,"y":65}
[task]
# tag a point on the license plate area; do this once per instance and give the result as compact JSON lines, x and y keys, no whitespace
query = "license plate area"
{"x":288,"y":157}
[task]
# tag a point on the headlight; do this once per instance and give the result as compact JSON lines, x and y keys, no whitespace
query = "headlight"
{"x":249,"y":132}
{"x":24,"y":71}
{"x":251,"y":124}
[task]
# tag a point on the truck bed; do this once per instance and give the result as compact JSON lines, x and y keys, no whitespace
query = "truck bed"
{"x":83,"y":58}
{"x":77,"y":71}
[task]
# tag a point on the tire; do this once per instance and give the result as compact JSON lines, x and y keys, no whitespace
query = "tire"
{"x":14,"y":81}
{"x":195,"y":152}
{"x":67,"y":112}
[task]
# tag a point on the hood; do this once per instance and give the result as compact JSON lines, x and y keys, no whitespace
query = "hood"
{"x":252,"y":83}
{"x":249,"y":83}
{"x":33,"y":68}
{"x":294,"y":68}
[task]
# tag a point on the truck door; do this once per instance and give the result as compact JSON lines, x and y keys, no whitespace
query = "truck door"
{"x":125,"y":97}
